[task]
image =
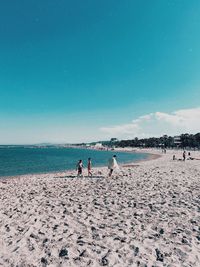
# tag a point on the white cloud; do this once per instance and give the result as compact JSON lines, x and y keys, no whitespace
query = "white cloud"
{"x":157,"y":124}
{"x":125,"y":129}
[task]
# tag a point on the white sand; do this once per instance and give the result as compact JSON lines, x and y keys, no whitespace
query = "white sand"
{"x":146,"y":216}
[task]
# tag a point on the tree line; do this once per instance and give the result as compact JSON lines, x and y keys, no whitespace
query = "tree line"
{"x":184,"y":141}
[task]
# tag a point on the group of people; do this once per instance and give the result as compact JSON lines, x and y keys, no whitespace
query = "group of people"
{"x":184,"y":156}
{"x":80,"y":167}
{"x":112,"y":165}
{"x":164,"y":150}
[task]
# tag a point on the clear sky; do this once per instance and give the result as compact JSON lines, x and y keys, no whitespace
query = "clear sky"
{"x":73,"y":70}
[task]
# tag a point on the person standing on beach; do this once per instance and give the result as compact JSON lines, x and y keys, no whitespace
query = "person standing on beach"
{"x":112,"y":164}
{"x":89,"y":167}
{"x":80,"y":168}
{"x":184,"y":155}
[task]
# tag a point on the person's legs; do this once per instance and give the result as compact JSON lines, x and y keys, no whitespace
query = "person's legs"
{"x":111,"y":171}
{"x":80,"y":172}
{"x":89,"y":172}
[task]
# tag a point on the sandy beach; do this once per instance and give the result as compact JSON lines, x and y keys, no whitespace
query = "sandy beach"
{"x":147,"y":215}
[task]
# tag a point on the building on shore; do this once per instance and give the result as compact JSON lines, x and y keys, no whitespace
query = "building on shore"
{"x":113,"y":140}
{"x":177,"y":141}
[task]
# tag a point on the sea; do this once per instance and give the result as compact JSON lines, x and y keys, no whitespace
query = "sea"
{"x":32,"y":160}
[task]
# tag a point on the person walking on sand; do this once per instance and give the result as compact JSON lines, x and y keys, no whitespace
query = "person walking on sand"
{"x":89,"y":167}
{"x":112,"y":164}
{"x":80,"y":168}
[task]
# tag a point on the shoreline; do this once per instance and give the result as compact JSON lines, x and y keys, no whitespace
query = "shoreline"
{"x":151,"y":156}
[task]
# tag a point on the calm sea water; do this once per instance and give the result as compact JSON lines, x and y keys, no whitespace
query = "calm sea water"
{"x":17,"y":161}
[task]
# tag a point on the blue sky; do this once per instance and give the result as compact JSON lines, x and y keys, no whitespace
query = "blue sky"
{"x":73,"y":71}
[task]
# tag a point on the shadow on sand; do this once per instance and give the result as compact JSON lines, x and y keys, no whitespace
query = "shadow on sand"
{"x":81,"y":177}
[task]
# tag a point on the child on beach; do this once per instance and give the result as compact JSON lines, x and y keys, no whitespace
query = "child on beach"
{"x":80,"y":168}
{"x":112,"y":164}
{"x":89,"y":167}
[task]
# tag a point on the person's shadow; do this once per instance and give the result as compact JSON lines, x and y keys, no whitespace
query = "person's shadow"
{"x":81,"y":177}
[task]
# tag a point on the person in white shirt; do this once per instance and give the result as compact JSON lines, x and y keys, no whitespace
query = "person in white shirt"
{"x":112,"y":164}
